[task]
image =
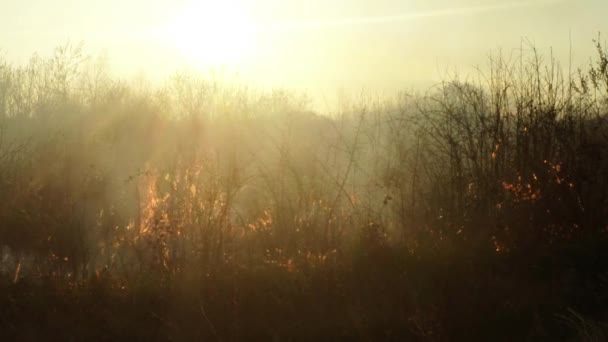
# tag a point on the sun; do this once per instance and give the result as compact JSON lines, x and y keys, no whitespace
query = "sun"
{"x":212,"y":32}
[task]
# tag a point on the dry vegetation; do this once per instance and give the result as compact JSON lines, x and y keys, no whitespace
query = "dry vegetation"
{"x":203,"y":210}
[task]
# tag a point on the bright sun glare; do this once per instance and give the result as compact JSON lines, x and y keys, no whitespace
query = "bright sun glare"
{"x":212,"y":32}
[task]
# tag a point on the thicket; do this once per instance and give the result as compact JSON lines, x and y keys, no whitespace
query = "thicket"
{"x":203,"y":209}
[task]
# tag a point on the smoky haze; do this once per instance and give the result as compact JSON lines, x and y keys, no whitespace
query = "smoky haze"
{"x":303,"y":170}
{"x":323,"y":49}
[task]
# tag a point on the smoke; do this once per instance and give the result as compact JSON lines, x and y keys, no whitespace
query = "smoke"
{"x":374,"y":20}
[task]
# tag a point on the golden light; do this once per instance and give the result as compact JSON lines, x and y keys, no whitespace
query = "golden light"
{"x":212,"y":32}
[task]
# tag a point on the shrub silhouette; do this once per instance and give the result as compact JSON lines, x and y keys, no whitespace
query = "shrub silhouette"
{"x":206,"y":210}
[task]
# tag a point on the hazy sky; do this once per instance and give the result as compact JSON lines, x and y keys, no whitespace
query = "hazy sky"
{"x":305,"y":44}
